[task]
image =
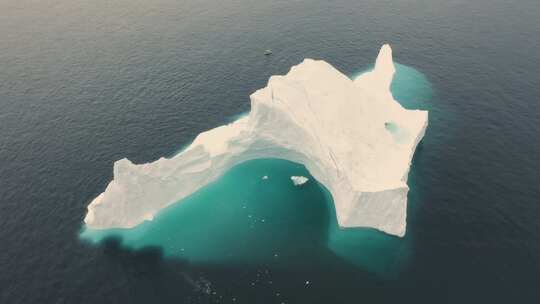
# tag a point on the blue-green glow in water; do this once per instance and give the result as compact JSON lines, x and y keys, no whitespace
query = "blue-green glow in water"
{"x":240,"y":218}
{"x":244,"y":219}
{"x":410,"y":87}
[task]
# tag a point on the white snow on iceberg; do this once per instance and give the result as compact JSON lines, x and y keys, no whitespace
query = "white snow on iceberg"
{"x":314,"y":115}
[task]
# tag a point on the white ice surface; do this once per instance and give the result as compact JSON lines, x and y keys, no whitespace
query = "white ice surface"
{"x":315,"y":116}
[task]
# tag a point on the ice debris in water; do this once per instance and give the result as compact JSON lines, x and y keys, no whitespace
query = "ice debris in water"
{"x":299,"y":180}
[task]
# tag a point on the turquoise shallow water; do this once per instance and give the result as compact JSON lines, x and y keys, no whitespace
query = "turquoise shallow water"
{"x":244,"y":219}
{"x":409,"y":86}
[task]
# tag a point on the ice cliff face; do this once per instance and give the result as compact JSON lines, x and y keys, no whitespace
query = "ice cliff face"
{"x":352,"y":136}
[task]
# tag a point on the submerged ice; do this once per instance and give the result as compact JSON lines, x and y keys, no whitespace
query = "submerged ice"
{"x":314,"y":115}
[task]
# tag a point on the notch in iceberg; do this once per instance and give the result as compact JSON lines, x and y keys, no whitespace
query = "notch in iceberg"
{"x":314,"y":115}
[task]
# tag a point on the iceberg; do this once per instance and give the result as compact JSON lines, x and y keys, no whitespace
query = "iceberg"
{"x":351,"y":135}
{"x":299,"y":180}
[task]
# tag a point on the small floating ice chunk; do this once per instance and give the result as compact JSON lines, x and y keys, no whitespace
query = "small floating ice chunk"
{"x":265,"y":177}
{"x":268,"y":52}
{"x":299,"y":180}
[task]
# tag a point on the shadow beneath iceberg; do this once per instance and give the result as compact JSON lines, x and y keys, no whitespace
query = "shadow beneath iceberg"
{"x":150,"y":277}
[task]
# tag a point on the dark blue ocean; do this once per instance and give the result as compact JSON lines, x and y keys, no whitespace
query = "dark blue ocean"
{"x":85,"y":83}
